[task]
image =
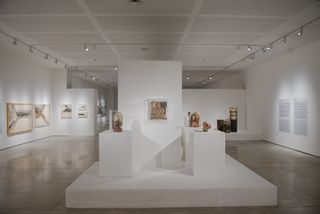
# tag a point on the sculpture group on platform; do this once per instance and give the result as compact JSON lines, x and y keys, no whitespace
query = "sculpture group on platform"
{"x":228,"y":125}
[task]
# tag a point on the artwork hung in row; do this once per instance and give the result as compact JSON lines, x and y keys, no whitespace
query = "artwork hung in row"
{"x":233,"y":119}
{"x":66,"y":111}
{"x":19,"y":118}
{"x":195,"y":119}
{"x":83,"y":111}
{"x":117,"y":121}
{"x":41,"y":115}
{"x":206,"y":126}
{"x":158,"y":110}
{"x":284,"y":116}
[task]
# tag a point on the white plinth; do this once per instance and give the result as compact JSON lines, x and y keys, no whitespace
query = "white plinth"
{"x":115,"y":153}
{"x":237,"y":186}
{"x":208,"y":152}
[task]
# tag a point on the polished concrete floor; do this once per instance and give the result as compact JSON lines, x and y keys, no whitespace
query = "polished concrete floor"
{"x":33,"y":177}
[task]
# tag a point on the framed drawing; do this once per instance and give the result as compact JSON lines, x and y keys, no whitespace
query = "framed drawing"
{"x":19,"y":118}
{"x":157,"y":110}
{"x":66,"y":111}
{"x":41,"y":115}
{"x":83,"y":111}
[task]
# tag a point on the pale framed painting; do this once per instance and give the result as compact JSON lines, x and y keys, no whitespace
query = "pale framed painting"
{"x":41,"y":115}
{"x":157,"y":110}
{"x":66,"y":111}
{"x":83,"y":111}
{"x":19,"y":118}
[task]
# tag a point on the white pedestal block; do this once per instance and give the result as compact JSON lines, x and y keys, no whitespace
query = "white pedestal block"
{"x":115,"y":153}
{"x":207,"y":153}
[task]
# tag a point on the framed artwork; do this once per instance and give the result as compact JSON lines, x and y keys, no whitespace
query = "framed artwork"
{"x":66,"y":111}
{"x":41,"y":115}
{"x":83,"y":111}
{"x":157,"y":109}
{"x":19,"y":118}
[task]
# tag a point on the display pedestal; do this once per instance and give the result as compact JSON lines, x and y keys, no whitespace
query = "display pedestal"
{"x":115,"y":153}
{"x":207,"y":152}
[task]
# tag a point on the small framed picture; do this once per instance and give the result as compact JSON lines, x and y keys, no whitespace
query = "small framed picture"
{"x":157,"y":110}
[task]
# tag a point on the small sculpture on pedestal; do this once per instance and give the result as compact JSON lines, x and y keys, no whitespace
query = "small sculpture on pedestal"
{"x":206,"y":126}
{"x":227,"y":126}
{"x":195,"y":119}
{"x":117,"y":122}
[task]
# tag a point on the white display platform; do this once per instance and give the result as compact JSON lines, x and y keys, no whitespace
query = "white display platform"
{"x":207,"y":152}
{"x":238,"y":186}
{"x":115,"y":153}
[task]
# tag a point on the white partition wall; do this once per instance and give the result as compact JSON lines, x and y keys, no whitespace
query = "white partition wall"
{"x":139,"y":81}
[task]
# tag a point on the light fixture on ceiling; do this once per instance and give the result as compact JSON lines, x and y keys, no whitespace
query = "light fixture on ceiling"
{"x":46,"y":56}
{"x":135,"y":2}
{"x":30,"y":49}
{"x":93,"y":77}
{"x":115,"y":68}
{"x":65,"y":66}
{"x":188,"y":78}
{"x":269,"y":47}
{"x":284,"y":40}
{"x":264,"y":49}
{"x":210,"y":77}
{"x":249,"y":48}
{"x":204,"y":82}
{"x":56,"y":61}
{"x":86,"y":47}
{"x":251,"y":57}
{"x":238,"y":48}
{"x":15,"y":42}
{"x":300,"y":32}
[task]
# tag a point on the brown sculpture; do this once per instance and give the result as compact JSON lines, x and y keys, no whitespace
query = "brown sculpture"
{"x":206,"y":126}
{"x":195,"y":119}
{"x":117,"y":122}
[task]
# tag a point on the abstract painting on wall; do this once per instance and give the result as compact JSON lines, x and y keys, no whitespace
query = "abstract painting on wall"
{"x":158,"y":110}
{"x":19,"y":118}
{"x":82,"y":111}
{"x":66,"y":111}
{"x":41,"y":115}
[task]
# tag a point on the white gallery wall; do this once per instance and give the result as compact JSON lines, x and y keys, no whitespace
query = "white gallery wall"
{"x":139,"y":81}
{"x":294,"y":75}
{"x":214,"y":104}
{"x":23,"y":81}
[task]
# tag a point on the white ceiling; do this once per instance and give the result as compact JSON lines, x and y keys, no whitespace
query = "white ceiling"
{"x":202,"y":34}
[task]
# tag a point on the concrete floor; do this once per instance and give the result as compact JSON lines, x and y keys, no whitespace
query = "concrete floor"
{"x":33,"y":177}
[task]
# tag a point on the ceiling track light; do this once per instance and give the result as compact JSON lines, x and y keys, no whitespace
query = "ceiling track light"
{"x":115,"y":68}
{"x":249,"y":48}
{"x":188,"y":78}
{"x":251,"y":57}
{"x":284,"y":40}
{"x":86,"y":47}
{"x":15,"y":42}
{"x":56,"y":61}
{"x":204,"y":82}
{"x":135,"y":2}
{"x":269,"y":47}
{"x":238,"y":48}
{"x":31,"y":49}
{"x":210,"y":77}
{"x":300,"y":32}
{"x":46,"y":56}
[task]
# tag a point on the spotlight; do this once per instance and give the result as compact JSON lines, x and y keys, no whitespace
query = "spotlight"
{"x":300,"y":32}
{"x":238,"y":48}
{"x":56,"y":61}
{"x":210,"y":77}
{"x":269,"y":47}
{"x":93,"y":78}
{"x":264,"y":50}
{"x":135,"y":2}
{"x":284,"y":40}
{"x":65,"y":66}
{"x":115,"y":68}
{"x":249,"y":48}
{"x":15,"y":42}
{"x":46,"y":56}
{"x":30,"y":49}
{"x":188,"y":78}
{"x":251,"y":57}
{"x":86,"y":47}
{"x":204,"y":82}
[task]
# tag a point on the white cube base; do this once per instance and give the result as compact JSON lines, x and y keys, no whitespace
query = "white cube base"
{"x":115,"y":153}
